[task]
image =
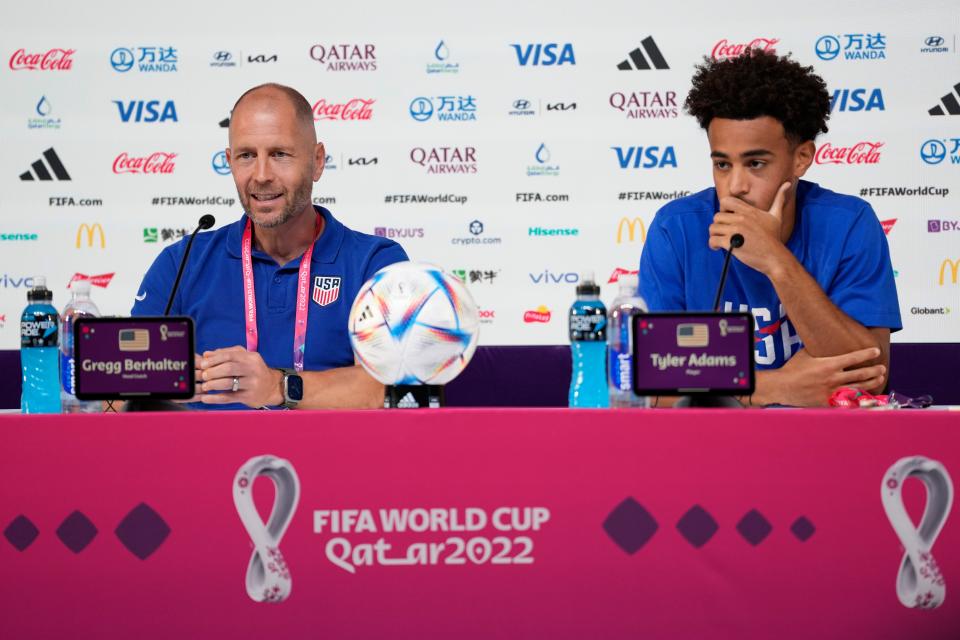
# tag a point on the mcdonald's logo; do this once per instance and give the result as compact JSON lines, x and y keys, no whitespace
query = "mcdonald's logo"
{"x":954,"y":270}
{"x":631,"y":227}
{"x":90,"y":230}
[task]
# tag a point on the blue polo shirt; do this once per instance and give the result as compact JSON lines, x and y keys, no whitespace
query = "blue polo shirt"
{"x":837,"y":238}
{"x":211,"y":292}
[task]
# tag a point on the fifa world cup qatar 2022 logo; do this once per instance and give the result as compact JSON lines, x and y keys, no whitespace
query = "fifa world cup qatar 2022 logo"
{"x":919,"y":581}
{"x":268,"y":576}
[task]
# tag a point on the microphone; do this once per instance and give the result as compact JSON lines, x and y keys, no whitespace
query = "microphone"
{"x":206,"y":221}
{"x":736,"y":241}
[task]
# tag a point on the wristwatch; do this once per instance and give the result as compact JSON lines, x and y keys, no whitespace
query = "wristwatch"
{"x":292,"y":388}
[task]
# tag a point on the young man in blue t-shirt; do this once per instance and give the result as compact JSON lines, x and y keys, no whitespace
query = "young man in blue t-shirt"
{"x":814,"y":268}
{"x":269,"y":332}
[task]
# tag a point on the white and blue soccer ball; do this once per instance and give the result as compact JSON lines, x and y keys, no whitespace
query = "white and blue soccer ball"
{"x":412,"y":323}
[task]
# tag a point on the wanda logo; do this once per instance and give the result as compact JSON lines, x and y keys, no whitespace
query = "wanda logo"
{"x":860,"y":153}
{"x":355,"y":109}
{"x":726,"y":49}
{"x":52,"y":60}
{"x":159,"y":162}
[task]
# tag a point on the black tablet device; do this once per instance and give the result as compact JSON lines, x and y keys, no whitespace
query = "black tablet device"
{"x":148,"y":357}
{"x":708,"y":353}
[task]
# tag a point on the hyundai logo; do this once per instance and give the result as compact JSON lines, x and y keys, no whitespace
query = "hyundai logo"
{"x":828,"y":47}
{"x":220,"y":164}
{"x":934,"y":41}
{"x":933,"y":152}
{"x":121,"y":60}
{"x":222,"y":56}
{"x":521,"y":105}
{"x":421,"y":109}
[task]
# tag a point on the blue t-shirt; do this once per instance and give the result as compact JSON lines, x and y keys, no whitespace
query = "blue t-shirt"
{"x":211,"y":292}
{"x":837,"y":238}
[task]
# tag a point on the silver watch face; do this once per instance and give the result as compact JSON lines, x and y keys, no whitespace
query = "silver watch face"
{"x":292,"y":388}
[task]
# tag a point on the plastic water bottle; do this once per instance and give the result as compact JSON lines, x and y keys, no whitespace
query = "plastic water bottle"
{"x":38,"y":352}
{"x":620,"y":343}
{"x":80,"y":306}
{"x":588,"y":345}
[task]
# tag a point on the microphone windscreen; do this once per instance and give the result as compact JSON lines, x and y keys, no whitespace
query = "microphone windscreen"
{"x":736,"y":241}
{"x":207,"y":221}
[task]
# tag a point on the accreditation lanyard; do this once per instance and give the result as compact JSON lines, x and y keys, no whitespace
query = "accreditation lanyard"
{"x":250,"y":300}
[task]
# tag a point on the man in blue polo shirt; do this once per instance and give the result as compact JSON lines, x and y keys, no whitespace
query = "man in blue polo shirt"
{"x":271,"y":292}
{"x":814,"y":268}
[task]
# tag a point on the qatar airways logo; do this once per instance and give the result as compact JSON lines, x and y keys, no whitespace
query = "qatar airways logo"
{"x":860,"y":153}
{"x":726,"y":49}
{"x":438,"y":160}
{"x":345,"y":57}
{"x":52,"y":60}
{"x":158,"y":162}
{"x":353,"y":109}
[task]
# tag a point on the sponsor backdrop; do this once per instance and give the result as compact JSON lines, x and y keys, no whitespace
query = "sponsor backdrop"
{"x":516,"y":146}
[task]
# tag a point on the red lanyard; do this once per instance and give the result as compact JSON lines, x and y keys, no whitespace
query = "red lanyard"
{"x":303,"y":287}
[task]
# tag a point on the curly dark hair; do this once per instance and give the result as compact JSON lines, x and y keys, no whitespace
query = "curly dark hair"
{"x":760,"y":83}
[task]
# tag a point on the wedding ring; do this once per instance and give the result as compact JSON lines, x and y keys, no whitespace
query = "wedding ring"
{"x":236,"y":384}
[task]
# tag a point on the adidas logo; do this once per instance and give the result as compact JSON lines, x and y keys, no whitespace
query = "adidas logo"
{"x":949,"y":102}
{"x":640,"y":61}
{"x":40,"y":169}
{"x":408,"y":402}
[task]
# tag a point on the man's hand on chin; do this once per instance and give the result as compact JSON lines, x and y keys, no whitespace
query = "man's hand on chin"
{"x":762,"y":248}
{"x":238,"y":375}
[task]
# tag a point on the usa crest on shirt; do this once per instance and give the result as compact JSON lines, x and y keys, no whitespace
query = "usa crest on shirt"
{"x":326,"y":290}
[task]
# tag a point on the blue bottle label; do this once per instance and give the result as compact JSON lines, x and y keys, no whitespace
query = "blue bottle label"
{"x":38,"y":330}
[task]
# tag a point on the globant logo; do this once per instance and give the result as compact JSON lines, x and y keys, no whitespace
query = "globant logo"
{"x":543,"y":166}
{"x":446,"y":108}
{"x":345,"y":57}
{"x":934,"y":44}
{"x":539,"y":315}
{"x":43,"y":110}
{"x":51,"y":60}
{"x":853,"y":46}
{"x":442,"y":65}
{"x":645,"y":104}
{"x":393,"y":232}
{"x":552,"y":232}
{"x":928,"y":311}
{"x":353,"y":109}
{"x":935,"y":151}
{"x":544,"y":54}
{"x":219,"y":163}
{"x":440,"y":160}
{"x":646,"y":157}
{"x":157,"y":162}
{"x":223,"y":59}
{"x":146,"y":59}
{"x":942,"y":226}
{"x":854,"y":100}
{"x":860,"y":153}
{"x":146,"y":110}
{"x":725,"y":49}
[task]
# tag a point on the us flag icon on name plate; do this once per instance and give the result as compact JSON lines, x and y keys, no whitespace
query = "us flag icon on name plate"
{"x":326,"y":290}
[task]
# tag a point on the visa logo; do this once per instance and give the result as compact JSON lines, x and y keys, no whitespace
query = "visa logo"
{"x":549,"y":277}
{"x":853,"y":100}
{"x":651,"y":157}
{"x":544,"y":55}
{"x":146,"y":110}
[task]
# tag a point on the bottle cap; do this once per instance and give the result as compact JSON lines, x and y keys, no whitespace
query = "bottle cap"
{"x":81,"y":287}
{"x":628,"y":282}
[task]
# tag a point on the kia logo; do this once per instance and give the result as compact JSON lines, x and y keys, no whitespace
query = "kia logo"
{"x":828,"y":48}
{"x":934,"y":41}
{"x":222,"y":56}
{"x":933,"y":152}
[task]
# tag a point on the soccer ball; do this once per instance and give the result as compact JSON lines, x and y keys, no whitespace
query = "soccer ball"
{"x":411,"y":323}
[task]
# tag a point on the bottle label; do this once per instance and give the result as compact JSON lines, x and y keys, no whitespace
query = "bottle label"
{"x":38,"y":331}
{"x":589,"y":328}
{"x":68,"y":375}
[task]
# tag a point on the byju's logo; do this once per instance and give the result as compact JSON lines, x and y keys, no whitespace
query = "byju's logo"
{"x":543,"y":166}
{"x":645,"y":104}
{"x":146,"y":110}
{"x":446,"y":108}
{"x":442,"y":64}
{"x":637,"y":61}
{"x":935,"y":151}
{"x":345,"y":57}
{"x":394,"y":232}
{"x":353,"y":109}
{"x":439,"y":160}
{"x":219,"y":163}
{"x":948,"y":102}
{"x":52,"y":60}
{"x":544,"y":54}
{"x":853,"y":46}
{"x":43,"y":110}
{"x":725,"y":49}
{"x":934,"y":44}
{"x":857,"y":100}
{"x":41,"y":170}
{"x":223,"y":59}
{"x":646,"y":157}
{"x":146,"y":59}
{"x":943,"y":226}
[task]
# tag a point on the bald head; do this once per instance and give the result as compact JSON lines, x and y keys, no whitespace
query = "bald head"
{"x":280,"y":99}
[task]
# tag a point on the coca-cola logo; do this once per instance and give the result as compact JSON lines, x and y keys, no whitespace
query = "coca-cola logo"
{"x":860,"y":153}
{"x":52,"y":60}
{"x":157,"y":162}
{"x":540,"y":314}
{"x":727,"y":49}
{"x":354,"y":109}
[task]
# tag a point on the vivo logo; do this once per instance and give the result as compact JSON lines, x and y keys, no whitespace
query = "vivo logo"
{"x":13,"y":282}
{"x":544,"y":54}
{"x":146,"y":110}
{"x":645,"y":157}
{"x":549,"y":277}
